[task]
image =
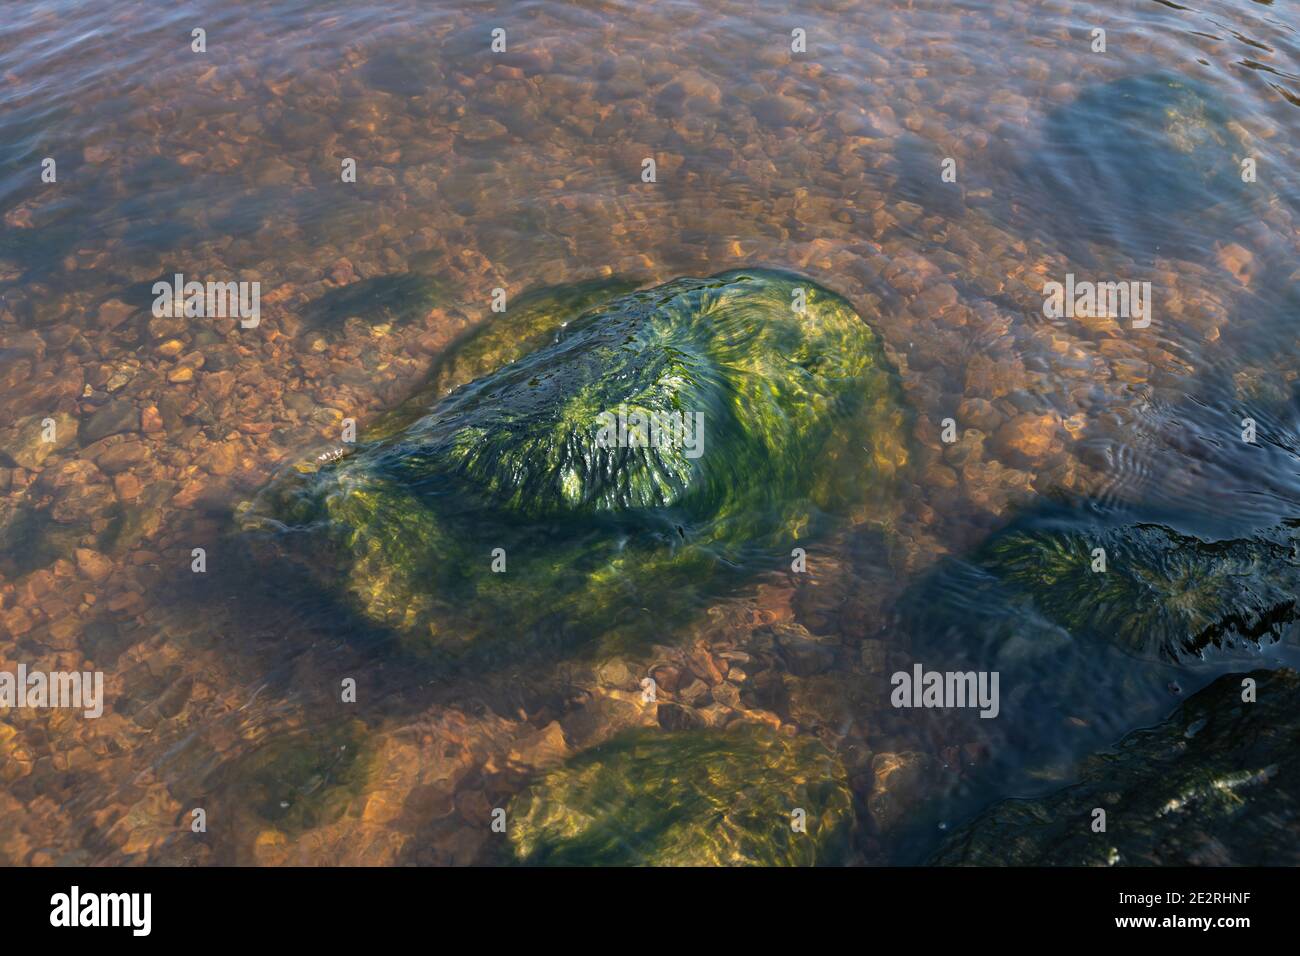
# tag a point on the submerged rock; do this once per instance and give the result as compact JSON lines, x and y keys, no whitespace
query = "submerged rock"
{"x":24,"y":442}
{"x":533,"y":321}
{"x":1218,"y":783}
{"x":521,"y":496}
{"x":1161,"y":594}
{"x":395,"y":299}
{"x":690,"y":798}
{"x":1137,"y":161}
{"x":301,"y":780}
{"x":31,"y":538}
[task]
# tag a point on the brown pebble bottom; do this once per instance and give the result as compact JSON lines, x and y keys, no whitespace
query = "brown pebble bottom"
{"x":519,"y":171}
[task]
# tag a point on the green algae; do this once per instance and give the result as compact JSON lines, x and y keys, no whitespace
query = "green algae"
{"x":1218,"y":783}
{"x":534,"y":319}
{"x":507,"y":457}
{"x":691,"y":798}
{"x":300,"y":781}
{"x":1162,"y":594}
{"x":30,"y":538}
{"x":1161,"y":590}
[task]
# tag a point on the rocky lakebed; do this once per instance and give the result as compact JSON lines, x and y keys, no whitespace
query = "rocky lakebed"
{"x":550,"y":514}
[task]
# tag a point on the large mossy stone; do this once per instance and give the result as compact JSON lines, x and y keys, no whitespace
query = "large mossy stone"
{"x":1162,"y":594}
{"x":690,"y":798}
{"x":533,"y":321}
{"x":509,"y":452}
{"x":1218,"y":783}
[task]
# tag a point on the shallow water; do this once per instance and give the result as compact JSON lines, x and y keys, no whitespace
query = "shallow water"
{"x":522,"y":170}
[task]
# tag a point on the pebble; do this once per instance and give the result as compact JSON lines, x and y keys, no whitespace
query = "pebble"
{"x":1028,"y":439}
{"x":93,"y":565}
{"x":118,"y":416}
{"x":787,"y":168}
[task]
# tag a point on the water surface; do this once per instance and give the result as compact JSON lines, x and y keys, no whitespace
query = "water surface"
{"x":523,"y":170}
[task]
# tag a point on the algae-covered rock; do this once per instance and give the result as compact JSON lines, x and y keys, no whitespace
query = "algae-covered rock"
{"x":592,"y":466}
{"x":300,"y":780}
{"x":31,"y":440}
{"x":533,"y":321}
{"x":30,"y":538}
{"x":1145,"y":587}
{"x":1218,"y":783}
{"x":690,"y":798}
{"x":1138,"y":161}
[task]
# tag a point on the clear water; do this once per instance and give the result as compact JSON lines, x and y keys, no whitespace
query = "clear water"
{"x":522,"y":170}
